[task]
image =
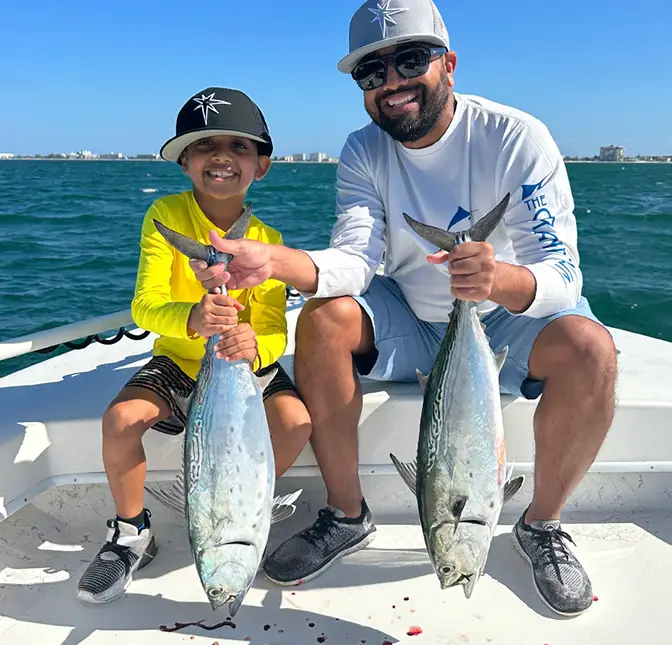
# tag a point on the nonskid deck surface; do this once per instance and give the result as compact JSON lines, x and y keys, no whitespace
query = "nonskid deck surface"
{"x":369,"y":598}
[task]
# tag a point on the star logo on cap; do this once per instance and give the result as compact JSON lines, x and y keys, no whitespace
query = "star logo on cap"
{"x":207,"y":103}
{"x":383,"y":14}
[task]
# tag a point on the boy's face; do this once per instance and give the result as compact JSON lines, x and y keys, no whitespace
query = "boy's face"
{"x":224,"y":166}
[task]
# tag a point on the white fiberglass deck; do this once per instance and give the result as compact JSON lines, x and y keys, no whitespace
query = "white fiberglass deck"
{"x":50,"y":436}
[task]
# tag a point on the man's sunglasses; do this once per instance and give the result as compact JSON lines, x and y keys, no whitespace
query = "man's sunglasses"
{"x":409,"y":63}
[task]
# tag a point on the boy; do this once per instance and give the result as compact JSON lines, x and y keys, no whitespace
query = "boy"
{"x":222,"y":143}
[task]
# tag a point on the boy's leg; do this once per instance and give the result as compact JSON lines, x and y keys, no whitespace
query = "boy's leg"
{"x":156,"y":396}
{"x":288,"y":419}
{"x":570,"y":360}
{"x":387,"y":342}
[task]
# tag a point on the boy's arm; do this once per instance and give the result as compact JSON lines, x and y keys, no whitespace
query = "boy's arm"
{"x":268,"y":306}
{"x":152,"y":307}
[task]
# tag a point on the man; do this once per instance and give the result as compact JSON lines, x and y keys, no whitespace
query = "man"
{"x":446,"y":160}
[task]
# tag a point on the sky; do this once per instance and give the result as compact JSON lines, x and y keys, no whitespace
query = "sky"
{"x":111,"y":76}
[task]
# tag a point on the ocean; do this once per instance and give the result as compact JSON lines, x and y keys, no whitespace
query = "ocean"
{"x":69,"y":233}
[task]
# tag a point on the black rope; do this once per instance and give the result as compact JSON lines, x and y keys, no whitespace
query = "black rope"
{"x":98,"y":339}
{"x":289,"y":293}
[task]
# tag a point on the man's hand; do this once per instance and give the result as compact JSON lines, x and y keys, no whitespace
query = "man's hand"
{"x":250,"y":266}
{"x":215,"y":314}
{"x":472,"y":269}
{"x":238,"y":343}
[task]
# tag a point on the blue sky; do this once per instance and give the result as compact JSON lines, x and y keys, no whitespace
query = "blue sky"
{"x":111,"y":76}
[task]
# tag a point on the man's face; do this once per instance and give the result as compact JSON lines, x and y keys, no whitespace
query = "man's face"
{"x":408,"y":108}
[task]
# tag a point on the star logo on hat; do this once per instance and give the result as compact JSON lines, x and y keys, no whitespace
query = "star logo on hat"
{"x":383,"y":14}
{"x":207,"y":103}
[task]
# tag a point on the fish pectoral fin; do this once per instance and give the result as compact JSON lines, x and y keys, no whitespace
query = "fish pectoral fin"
{"x":500,"y":358}
{"x":283,"y":507}
{"x":422,"y":379}
{"x":512,"y":487}
{"x":266,"y":378}
{"x":407,"y":472}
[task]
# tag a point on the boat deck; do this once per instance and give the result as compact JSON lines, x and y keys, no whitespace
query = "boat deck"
{"x":369,"y":598}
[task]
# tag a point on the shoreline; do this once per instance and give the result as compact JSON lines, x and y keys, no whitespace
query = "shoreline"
{"x":150,"y":160}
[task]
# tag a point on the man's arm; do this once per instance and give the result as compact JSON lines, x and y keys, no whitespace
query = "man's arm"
{"x":541,"y":226}
{"x":344,"y":269}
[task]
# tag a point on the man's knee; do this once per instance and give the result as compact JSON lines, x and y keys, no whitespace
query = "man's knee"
{"x":334,"y":319}
{"x":574,"y":344}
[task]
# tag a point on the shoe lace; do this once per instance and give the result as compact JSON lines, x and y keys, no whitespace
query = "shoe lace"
{"x":553,"y":548}
{"x":323,"y":526}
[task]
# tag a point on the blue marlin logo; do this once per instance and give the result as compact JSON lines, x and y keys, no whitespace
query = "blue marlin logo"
{"x":530,"y":189}
{"x":460,"y":215}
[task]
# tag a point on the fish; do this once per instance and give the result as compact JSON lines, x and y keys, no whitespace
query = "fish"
{"x":459,"y":476}
{"x":228,"y":462}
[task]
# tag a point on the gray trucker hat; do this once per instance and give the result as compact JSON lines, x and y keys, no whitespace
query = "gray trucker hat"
{"x":381,"y":23}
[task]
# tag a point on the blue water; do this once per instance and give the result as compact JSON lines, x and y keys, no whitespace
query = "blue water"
{"x":69,"y":233}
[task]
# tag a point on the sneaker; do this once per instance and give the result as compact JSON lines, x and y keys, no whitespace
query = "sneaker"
{"x":307,"y":554}
{"x":110,"y":572}
{"x":558,"y":576}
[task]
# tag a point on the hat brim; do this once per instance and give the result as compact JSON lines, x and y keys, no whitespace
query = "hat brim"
{"x":173,"y":148}
{"x":349,"y":62}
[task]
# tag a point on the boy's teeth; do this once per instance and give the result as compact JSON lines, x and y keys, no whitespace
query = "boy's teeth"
{"x":220,"y":173}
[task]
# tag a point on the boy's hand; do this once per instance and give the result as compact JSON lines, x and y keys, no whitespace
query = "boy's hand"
{"x":238,"y":343}
{"x":209,"y":277}
{"x":215,"y":314}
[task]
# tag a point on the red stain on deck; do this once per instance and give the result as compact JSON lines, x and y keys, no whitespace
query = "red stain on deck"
{"x":595,"y":598}
{"x":414,"y":630}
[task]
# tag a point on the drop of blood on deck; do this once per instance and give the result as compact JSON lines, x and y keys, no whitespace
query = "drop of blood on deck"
{"x":414,"y":630}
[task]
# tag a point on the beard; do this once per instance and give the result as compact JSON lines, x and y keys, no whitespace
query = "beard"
{"x":412,"y":127}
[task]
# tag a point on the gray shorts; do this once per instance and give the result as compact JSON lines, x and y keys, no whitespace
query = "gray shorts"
{"x":404,"y":343}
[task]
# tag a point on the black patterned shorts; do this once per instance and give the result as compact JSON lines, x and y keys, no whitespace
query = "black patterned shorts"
{"x":164,"y":377}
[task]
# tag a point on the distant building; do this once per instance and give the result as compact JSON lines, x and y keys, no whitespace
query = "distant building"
{"x":612,"y":153}
{"x":318,"y":156}
{"x":299,"y":156}
{"x":6,"y":155}
{"x":112,"y":155}
{"x":144,"y":156}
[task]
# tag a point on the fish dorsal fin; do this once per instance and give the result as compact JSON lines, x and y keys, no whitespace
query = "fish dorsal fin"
{"x":512,"y":487}
{"x":266,"y":378}
{"x":422,"y":379}
{"x":500,"y":358}
{"x":407,"y":472}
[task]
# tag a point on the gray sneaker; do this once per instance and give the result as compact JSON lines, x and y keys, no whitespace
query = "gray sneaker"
{"x":559,"y":578}
{"x":126,"y":550}
{"x":308,"y":553}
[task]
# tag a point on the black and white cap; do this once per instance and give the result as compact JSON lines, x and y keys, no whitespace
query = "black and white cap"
{"x":217,"y":111}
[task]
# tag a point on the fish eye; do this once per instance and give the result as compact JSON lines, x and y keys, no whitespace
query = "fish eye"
{"x":446,"y":570}
{"x":213,"y":593}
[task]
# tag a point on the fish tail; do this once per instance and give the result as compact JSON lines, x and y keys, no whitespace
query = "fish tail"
{"x":479,"y":232}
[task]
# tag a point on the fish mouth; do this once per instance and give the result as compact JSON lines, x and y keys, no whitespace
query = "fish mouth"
{"x":473,"y":520}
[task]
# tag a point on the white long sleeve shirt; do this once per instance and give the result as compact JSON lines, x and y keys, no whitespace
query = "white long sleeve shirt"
{"x":488,"y":150}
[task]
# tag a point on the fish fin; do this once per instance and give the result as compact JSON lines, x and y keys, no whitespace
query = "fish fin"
{"x":239,"y":227}
{"x":443,"y":239}
{"x":457,"y":508}
{"x":512,"y":487}
{"x":500,"y":358}
{"x":481,"y":231}
{"x":469,"y":587}
{"x":235,"y":603}
{"x":507,"y":399}
{"x":283,"y":507}
{"x":185,"y":245}
{"x":172,"y":498}
{"x":422,"y":379}
{"x":266,"y":379}
{"x":407,"y":472}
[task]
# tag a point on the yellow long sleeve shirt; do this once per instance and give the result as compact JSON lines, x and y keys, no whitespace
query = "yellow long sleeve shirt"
{"x":167,"y":289}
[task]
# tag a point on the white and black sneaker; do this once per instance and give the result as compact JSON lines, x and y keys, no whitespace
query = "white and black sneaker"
{"x":127,"y":549}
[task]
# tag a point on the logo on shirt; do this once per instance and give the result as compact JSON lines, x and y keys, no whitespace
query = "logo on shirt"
{"x":459,"y":216}
{"x":530,"y":189}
